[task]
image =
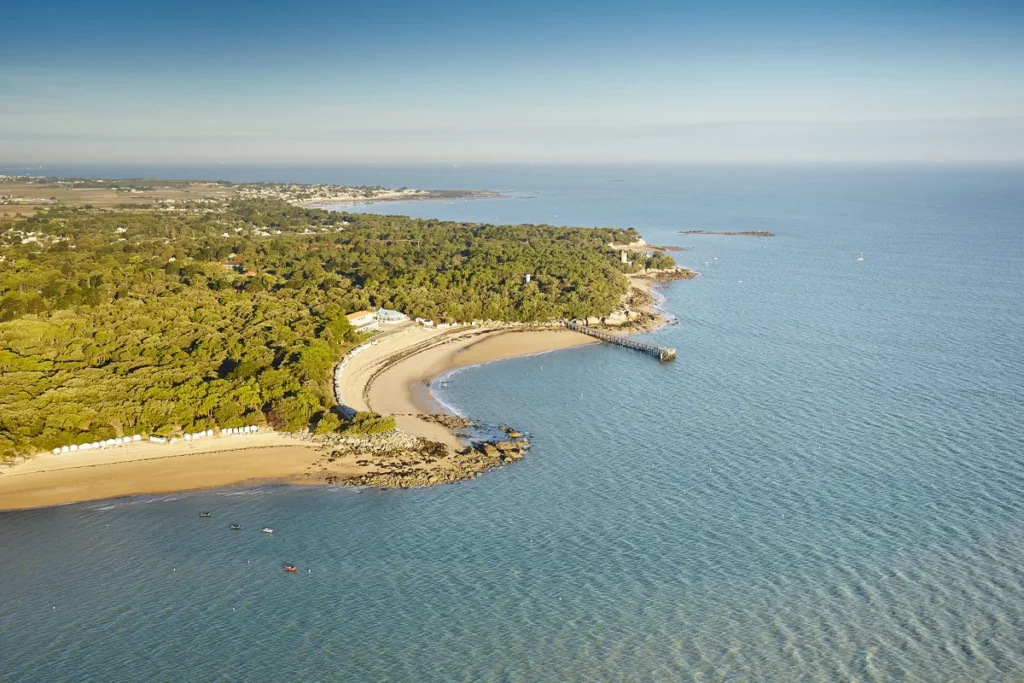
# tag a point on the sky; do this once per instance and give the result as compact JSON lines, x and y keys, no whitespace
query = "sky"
{"x":525,"y":81}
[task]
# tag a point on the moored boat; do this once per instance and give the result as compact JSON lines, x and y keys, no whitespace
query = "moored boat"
{"x":236,"y":527}
{"x":206,"y":514}
{"x":267,"y":530}
{"x":290,"y":568}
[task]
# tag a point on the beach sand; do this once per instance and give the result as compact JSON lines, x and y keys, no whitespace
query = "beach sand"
{"x":149,"y":468}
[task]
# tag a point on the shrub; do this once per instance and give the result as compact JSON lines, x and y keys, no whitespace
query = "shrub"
{"x":369,"y":423}
{"x":328,"y":423}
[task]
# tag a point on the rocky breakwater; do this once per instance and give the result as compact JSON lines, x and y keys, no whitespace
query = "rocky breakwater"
{"x":399,"y":460}
{"x":666,"y":274}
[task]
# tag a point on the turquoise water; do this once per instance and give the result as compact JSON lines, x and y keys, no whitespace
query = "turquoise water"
{"x":828,"y":484}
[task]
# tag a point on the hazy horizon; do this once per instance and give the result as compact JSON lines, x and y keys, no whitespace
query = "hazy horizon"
{"x":565,"y":82}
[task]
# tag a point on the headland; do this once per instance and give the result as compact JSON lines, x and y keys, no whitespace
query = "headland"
{"x":121,"y":381}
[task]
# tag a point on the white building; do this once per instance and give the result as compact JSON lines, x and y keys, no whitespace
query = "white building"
{"x":363,"y":320}
{"x":385,"y":315}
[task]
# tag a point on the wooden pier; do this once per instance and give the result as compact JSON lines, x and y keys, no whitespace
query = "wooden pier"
{"x":662,"y":353}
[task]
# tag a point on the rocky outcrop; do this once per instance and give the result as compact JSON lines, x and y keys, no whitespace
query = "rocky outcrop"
{"x":399,"y":460}
{"x":668,"y":275}
{"x":512,"y":434}
{"x":449,"y":421}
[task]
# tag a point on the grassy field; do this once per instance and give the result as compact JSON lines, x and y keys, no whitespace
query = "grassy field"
{"x":102,"y":198}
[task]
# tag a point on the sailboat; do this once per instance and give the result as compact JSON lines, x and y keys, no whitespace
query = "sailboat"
{"x":861,"y":257}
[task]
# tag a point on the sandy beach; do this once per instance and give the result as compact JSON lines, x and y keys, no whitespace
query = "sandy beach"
{"x":393,"y":376}
{"x":142,"y":468}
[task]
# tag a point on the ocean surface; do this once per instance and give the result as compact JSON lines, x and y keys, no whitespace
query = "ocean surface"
{"x":827,"y":485}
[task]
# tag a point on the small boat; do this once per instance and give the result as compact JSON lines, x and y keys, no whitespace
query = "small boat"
{"x":861,"y":257}
{"x":236,"y":527}
{"x":290,"y":568}
{"x":206,"y":514}
{"x":267,"y":530}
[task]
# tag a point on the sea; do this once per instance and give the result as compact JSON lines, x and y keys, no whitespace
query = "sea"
{"x":827,"y":484}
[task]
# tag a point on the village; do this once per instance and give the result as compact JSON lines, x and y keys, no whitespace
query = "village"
{"x":26,"y":194}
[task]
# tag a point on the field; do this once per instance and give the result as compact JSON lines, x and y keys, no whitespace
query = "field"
{"x":103,"y":197}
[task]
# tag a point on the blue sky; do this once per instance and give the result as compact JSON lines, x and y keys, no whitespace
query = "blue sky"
{"x":524,"y":81}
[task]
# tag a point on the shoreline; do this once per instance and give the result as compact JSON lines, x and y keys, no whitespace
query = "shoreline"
{"x":393,"y":376}
{"x":389,"y":197}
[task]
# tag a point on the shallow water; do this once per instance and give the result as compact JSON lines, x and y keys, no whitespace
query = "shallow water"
{"x":828,"y":484}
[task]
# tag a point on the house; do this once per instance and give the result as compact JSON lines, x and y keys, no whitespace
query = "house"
{"x":362,"y":320}
{"x":385,"y":315}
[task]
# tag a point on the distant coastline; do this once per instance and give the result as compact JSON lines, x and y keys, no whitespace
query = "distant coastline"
{"x":405,"y":196}
{"x":28,"y":194}
{"x":745,"y":233}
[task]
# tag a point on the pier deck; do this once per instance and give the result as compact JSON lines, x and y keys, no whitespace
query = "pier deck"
{"x":662,"y":353}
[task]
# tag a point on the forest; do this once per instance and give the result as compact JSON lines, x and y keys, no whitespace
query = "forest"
{"x":143,"y":321}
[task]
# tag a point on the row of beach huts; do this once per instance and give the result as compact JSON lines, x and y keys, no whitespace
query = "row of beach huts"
{"x":340,"y":367}
{"x":136,"y":438}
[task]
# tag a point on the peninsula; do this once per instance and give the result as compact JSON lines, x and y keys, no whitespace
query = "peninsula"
{"x":745,"y":233}
{"x":24,"y":195}
{"x":139,"y":347}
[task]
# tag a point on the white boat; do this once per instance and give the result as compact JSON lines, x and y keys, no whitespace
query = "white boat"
{"x":861,"y":257}
{"x":267,"y":530}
